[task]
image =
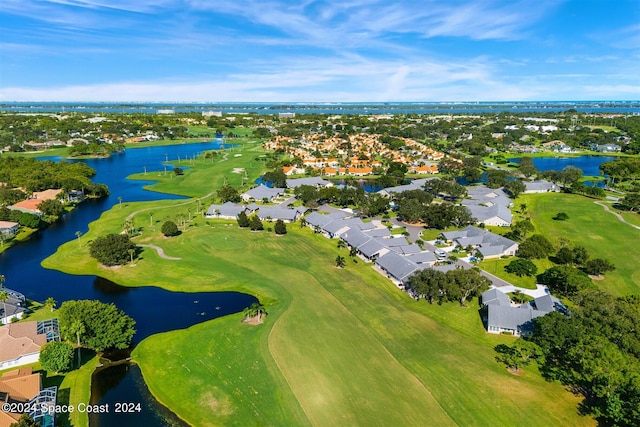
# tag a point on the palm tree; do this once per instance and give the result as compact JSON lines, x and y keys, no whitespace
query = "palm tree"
{"x":51,"y":303}
{"x":4,"y":297}
{"x":256,"y":309}
{"x":120,"y":201}
{"x":340,"y":262}
{"x":303,"y":222}
{"x":341,"y":243}
{"x":77,"y":328}
{"x":150,"y":219}
{"x":523,"y":207}
{"x":131,"y":253}
{"x":78,"y":234}
{"x":2,"y":280}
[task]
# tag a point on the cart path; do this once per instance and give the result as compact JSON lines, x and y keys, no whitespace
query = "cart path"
{"x":161,"y":253}
{"x":606,"y":208}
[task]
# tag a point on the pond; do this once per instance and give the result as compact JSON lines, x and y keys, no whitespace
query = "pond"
{"x":154,"y":309}
{"x":589,"y":164}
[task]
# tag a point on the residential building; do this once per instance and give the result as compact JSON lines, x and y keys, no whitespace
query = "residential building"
{"x":539,"y":186}
{"x":20,"y":343}
{"x":489,"y":244}
{"x":24,"y":386}
{"x":312,"y":181}
{"x":489,"y":206}
{"x":8,"y":229}
{"x":501,"y":315}
{"x":262,"y":192}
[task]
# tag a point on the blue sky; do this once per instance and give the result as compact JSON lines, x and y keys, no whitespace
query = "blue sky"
{"x":319,"y":51}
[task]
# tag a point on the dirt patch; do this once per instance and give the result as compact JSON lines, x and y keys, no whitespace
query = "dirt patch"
{"x":415,"y":224}
{"x":218,"y":406}
{"x":518,"y":372}
{"x":253,"y":320}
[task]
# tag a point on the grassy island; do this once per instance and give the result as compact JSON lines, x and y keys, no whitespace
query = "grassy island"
{"x":338,"y":347}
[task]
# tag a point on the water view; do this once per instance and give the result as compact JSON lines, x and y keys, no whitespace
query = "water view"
{"x":589,"y":164}
{"x":150,"y":306}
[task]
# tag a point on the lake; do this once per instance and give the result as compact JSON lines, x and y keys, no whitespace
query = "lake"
{"x":151,"y":307}
{"x":589,"y":164}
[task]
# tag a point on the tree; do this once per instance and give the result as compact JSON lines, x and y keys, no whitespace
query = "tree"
{"x":78,"y":234}
{"x":243,"y":220}
{"x":280,"y":228}
{"x":132,"y":252}
{"x":561,"y":216}
{"x":631,"y":202}
{"x":112,"y":249}
{"x":580,"y":255}
{"x":178,"y":171}
{"x":255,"y":224}
{"x":521,"y":353}
{"x":25,"y":421}
{"x":598,"y":266}
{"x":255,"y":310}
{"x":51,"y":207}
{"x":227,"y":193}
{"x":77,"y":328}
{"x":50,"y":303}
{"x":56,"y":356}
{"x":105,"y":325}
{"x":120,"y":201}
{"x":514,"y":187}
{"x":520,"y":229}
{"x":277,"y":178}
{"x":521,"y":267}
{"x":537,"y":246}
{"x":464,"y":284}
{"x":427,"y":283}
{"x":527,"y":168}
{"x":169,"y":229}
{"x":564,"y":280}
{"x":4,"y":297}
{"x":340,"y":262}
{"x":564,"y":256}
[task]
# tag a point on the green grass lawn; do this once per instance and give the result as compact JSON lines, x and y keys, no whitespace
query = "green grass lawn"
{"x":496,"y":267}
{"x":339,"y":346}
{"x":207,"y":175}
{"x":591,"y":226}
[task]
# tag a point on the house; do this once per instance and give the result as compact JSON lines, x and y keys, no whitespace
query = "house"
{"x":50,"y":194}
{"x":416,"y":184}
{"x":359,"y":171}
{"x":262,"y":192}
{"x":397,"y":267}
{"x":20,"y":343}
{"x":24,"y":386}
{"x":489,"y":244}
{"x":227,"y":210}
{"x":277,"y":212}
{"x":28,"y":206}
{"x":489,"y":206}
{"x":292,"y":170}
{"x":426,"y":169}
{"x":608,"y":148}
{"x":539,"y":186}
{"x":8,"y":229}
{"x":313,"y":181}
{"x":500,"y":315}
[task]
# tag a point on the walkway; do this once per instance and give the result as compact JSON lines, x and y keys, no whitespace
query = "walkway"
{"x":161,"y":253}
{"x":606,"y":208}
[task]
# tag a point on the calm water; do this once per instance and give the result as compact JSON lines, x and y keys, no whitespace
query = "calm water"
{"x":589,"y":164}
{"x":619,"y":107}
{"x":154,"y":309}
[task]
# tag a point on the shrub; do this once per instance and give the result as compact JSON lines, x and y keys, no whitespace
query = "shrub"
{"x":280,"y":227}
{"x":169,"y":228}
{"x":56,"y":356}
{"x":561,"y":216}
